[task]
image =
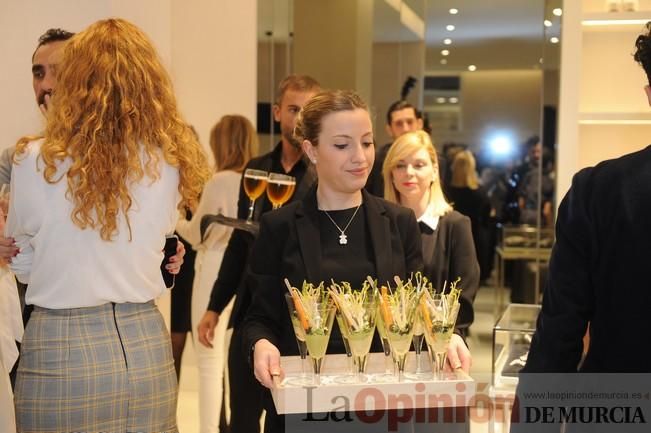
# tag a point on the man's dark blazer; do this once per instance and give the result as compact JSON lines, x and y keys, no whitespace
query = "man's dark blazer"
{"x":454,"y":256}
{"x":289,"y":247}
{"x":599,"y":273}
{"x":230,"y":280}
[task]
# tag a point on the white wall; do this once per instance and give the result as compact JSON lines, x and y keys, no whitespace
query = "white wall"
{"x":209,"y":47}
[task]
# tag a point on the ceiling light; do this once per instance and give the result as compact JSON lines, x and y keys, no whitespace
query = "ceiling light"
{"x":472,"y":68}
{"x":445,"y":52}
{"x":453,"y":100}
{"x":547,"y":23}
{"x":447,"y":41}
{"x":454,"y":11}
{"x":444,"y":61}
{"x":558,"y":12}
{"x":553,"y":40}
{"x":449,"y":27}
{"x":440,"y":100}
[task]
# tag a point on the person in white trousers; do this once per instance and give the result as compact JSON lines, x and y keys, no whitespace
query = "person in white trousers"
{"x":233,"y":141}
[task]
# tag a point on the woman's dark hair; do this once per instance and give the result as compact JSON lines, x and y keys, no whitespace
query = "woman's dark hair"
{"x":643,"y":51}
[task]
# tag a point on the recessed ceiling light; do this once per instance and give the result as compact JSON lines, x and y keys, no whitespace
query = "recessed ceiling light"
{"x":453,"y":100}
{"x":454,"y":11}
{"x":558,"y":12}
{"x":547,"y":23}
{"x":444,"y":61}
{"x":447,"y":41}
{"x":553,"y":40}
{"x":440,"y":100}
{"x":449,"y":27}
{"x":445,"y":52}
{"x":472,"y":68}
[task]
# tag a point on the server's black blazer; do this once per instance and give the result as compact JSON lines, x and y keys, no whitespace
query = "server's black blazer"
{"x":289,"y":247}
{"x":453,"y":255}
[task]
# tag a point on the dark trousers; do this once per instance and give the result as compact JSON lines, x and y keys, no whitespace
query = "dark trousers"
{"x":245,"y":391}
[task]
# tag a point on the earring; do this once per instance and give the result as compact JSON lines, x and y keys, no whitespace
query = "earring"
{"x":313,"y":161}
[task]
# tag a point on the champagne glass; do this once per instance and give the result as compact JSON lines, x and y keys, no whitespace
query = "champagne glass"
{"x":358,"y":312}
{"x":398,"y":310}
{"x":255,"y":182}
{"x":299,"y":333}
{"x":280,"y":188}
{"x":439,"y":312}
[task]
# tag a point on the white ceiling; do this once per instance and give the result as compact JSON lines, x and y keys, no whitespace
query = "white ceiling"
{"x":493,"y":34}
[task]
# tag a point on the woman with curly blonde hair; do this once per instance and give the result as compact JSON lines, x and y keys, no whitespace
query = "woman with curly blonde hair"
{"x":91,"y":203}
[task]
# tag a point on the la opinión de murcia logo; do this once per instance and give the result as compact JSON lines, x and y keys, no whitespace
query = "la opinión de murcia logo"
{"x":584,"y":414}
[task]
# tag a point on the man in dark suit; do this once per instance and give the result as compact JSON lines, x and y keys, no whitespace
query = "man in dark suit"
{"x":287,"y":157}
{"x":401,"y":117}
{"x":598,"y":276}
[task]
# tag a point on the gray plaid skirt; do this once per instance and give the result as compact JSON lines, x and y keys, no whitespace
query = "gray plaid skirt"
{"x":96,"y":369}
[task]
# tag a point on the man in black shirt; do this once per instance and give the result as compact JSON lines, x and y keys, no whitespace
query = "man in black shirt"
{"x":401,"y":117}
{"x":287,"y":157}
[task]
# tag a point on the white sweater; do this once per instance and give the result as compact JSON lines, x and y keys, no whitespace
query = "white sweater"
{"x":67,"y":267}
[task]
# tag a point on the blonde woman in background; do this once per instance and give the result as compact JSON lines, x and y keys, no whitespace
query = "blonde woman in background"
{"x":91,"y":203}
{"x":467,"y":198}
{"x":233,"y":142}
{"x":411,"y":178}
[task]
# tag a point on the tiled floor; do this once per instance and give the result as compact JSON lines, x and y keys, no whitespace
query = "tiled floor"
{"x":479,"y":341}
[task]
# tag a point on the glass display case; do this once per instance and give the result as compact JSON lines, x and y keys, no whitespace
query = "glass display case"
{"x":511,"y":339}
{"x":526,"y":244}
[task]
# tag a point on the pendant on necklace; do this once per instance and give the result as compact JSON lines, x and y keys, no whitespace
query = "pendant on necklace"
{"x":343,"y":239}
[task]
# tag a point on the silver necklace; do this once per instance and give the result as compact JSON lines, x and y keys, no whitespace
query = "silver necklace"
{"x":343,"y":239}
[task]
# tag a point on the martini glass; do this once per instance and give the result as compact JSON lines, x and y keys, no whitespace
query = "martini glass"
{"x":439,"y":312}
{"x":398,"y":309}
{"x":358,"y":312}
{"x":389,"y":374}
{"x":417,"y":341}
{"x":299,"y":333}
{"x":349,"y":377}
{"x":320,"y":316}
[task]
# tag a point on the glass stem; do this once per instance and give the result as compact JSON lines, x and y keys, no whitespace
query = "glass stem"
{"x":400,"y":360}
{"x":361,"y":367}
{"x":316,"y":365}
{"x":440,"y":363}
{"x":418,"y":347}
{"x":251,"y":206}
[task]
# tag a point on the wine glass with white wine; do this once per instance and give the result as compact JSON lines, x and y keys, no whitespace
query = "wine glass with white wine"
{"x":255,"y":182}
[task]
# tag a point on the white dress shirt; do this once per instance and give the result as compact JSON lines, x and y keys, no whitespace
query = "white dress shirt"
{"x":67,"y":267}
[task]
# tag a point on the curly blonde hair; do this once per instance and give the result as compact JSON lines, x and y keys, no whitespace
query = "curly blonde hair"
{"x":113,"y":114}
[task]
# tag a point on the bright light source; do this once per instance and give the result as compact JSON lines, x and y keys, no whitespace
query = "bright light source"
{"x":547,"y":23}
{"x":553,"y":40}
{"x":449,"y":28}
{"x":440,"y":100}
{"x":447,"y":41}
{"x":444,"y":61}
{"x":453,"y":100}
{"x":454,"y":11}
{"x":501,"y":145}
{"x":558,"y":12}
{"x":472,"y":68}
{"x":445,"y":52}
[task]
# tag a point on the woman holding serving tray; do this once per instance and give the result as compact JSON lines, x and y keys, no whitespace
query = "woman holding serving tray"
{"x":337,"y":232}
